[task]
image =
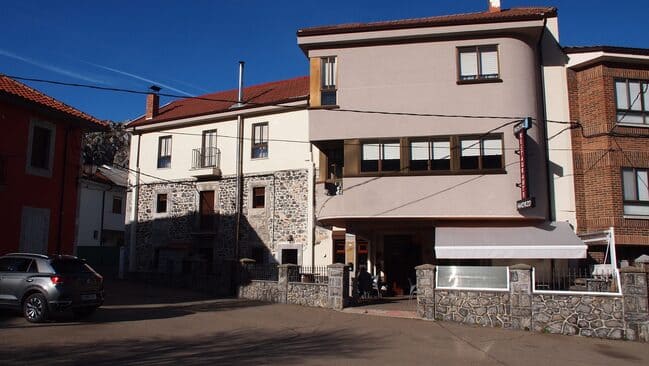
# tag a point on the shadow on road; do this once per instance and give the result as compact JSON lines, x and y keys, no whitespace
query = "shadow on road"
{"x":244,"y":347}
{"x":134,"y":301}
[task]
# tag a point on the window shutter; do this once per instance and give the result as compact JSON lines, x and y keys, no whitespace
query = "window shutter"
{"x":391,"y":151}
{"x":441,"y":150}
{"x":489,"y":62}
{"x":371,"y":151}
{"x":634,"y":96}
{"x":643,"y":190}
{"x":620,"y":92}
{"x":470,"y":147}
{"x":468,"y":63}
{"x":628,"y":179}
{"x":492,"y":147}
{"x":419,"y":150}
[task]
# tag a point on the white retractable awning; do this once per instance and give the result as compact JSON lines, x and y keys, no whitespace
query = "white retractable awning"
{"x":545,"y":241}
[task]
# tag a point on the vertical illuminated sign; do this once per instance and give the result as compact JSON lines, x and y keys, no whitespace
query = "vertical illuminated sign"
{"x":520,"y":131}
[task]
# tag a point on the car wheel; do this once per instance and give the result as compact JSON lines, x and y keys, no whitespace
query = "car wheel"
{"x":83,"y":312}
{"x":35,"y":308}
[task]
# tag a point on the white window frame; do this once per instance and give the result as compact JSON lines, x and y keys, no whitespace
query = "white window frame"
{"x":160,"y":139}
{"x":641,"y":100}
{"x":29,"y":169}
{"x":636,"y":207}
{"x":263,"y":139}
{"x":167,"y":212}
{"x":479,"y":50}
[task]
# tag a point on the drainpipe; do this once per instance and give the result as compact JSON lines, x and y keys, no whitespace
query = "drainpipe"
{"x":239,"y":195}
{"x":310,"y":207}
{"x":59,"y":242}
{"x":101,"y":224}
{"x":132,"y":253}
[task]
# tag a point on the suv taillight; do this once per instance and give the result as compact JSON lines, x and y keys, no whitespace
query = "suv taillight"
{"x":57,"y":280}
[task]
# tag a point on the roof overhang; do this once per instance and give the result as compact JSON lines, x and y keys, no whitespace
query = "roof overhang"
{"x":527,"y":28}
{"x":579,"y":60}
{"x":221,"y":116}
{"x":544,"y":241}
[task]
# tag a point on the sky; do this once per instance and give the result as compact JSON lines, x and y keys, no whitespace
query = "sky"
{"x":193,"y":47}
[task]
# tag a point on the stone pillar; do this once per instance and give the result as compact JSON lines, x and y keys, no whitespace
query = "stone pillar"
{"x":426,"y":291}
{"x":338,"y":286}
{"x":520,"y":296}
{"x":285,"y":273}
{"x":634,"y":281}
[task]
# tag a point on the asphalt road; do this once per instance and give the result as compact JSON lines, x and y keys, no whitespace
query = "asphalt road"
{"x":144,"y":325}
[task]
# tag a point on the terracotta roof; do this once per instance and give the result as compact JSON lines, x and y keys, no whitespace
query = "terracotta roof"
{"x":15,"y":88}
{"x":609,"y":49}
{"x":276,"y":92}
{"x":505,"y":15}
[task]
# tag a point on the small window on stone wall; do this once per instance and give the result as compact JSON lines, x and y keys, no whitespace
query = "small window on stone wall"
{"x":161,"y":203}
{"x":259,"y":197}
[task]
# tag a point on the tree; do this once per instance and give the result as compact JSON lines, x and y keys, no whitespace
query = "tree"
{"x":110,"y":148}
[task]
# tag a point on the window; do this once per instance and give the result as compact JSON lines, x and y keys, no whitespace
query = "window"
{"x":161,"y":203}
{"x":117,"y":204}
{"x":430,"y":155}
{"x":258,"y":197}
{"x":209,"y":149}
{"x":15,"y":264}
{"x":260,"y":140}
{"x":479,"y":154}
{"x":632,"y":101}
{"x":164,"y":152}
{"x":478,"y":63}
{"x":328,"y":81}
{"x":40,"y":151}
{"x":636,"y":193}
{"x":381,"y":157}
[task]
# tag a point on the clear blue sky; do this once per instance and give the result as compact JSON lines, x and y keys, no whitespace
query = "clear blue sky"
{"x":192,"y":47}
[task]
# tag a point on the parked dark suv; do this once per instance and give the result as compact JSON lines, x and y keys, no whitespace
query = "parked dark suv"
{"x":39,"y":285}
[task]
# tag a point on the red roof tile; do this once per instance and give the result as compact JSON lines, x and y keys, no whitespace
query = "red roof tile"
{"x":610,"y":49}
{"x":505,"y":15}
{"x":17,"y":89}
{"x":263,"y":94}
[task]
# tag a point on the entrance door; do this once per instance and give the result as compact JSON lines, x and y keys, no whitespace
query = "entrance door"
{"x":401,"y":257}
{"x":34,"y":230}
{"x":207,"y":210}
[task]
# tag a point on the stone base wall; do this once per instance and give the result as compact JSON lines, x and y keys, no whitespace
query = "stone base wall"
{"x":261,"y":291}
{"x":591,"y":316}
{"x":283,"y":218}
{"x":485,"y":308}
{"x":308,"y":294}
{"x":613,"y":316}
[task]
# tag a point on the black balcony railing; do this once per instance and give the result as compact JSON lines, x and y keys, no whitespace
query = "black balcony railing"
{"x":206,"y":158}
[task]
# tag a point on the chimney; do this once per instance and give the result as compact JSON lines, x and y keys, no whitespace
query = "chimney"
{"x":152,"y":102}
{"x":494,"y":6}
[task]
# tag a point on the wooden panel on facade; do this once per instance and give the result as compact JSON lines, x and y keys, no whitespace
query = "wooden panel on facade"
{"x":314,"y":82}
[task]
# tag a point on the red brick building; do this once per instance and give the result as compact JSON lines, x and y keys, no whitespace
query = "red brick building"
{"x":39,"y":168}
{"x":609,"y":97}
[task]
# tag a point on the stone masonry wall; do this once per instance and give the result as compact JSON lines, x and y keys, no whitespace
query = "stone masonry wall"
{"x":591,"y":316}
{"x":155,"y":230}
{"x":485,"y":308}
{"x":308,"y":294}
{"x":611,"y":316}
{"x":284,"y":216}
{"x":260,"y":291}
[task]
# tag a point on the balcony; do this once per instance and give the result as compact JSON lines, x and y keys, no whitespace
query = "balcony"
{"x":207,"y":163}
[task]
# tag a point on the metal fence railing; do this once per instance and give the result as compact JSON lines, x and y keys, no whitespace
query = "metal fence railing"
{"x":267,"y":272}
{"x":598,"y":278}
{"x":309,"y":274}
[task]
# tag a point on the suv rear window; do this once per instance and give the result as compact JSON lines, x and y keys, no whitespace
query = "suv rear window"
{"x":64,"y":266}
{"x":14,"y":264}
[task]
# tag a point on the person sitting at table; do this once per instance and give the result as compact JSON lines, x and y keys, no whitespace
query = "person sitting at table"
{"x":364,"y":280}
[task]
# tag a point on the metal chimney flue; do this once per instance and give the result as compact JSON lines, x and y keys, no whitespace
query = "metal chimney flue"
{"x":240,"y":96}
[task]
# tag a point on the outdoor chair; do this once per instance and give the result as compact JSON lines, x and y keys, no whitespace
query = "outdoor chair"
{"x":413,"y":289}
